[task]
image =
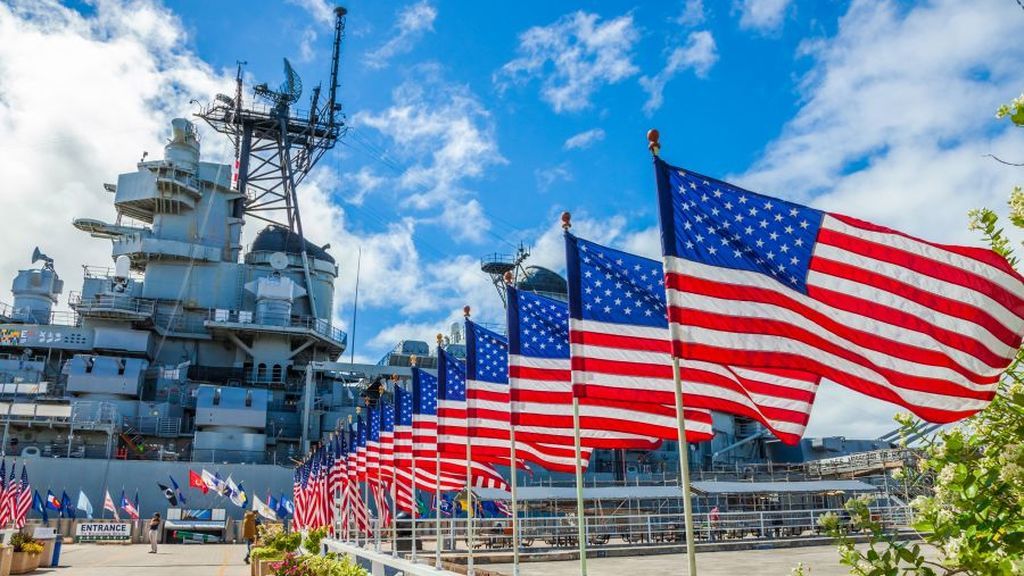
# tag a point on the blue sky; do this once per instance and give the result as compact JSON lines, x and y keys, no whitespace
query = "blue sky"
{"x":474,"y":125}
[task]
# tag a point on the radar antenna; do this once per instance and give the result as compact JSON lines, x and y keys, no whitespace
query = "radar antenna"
{"x":276,"y":148}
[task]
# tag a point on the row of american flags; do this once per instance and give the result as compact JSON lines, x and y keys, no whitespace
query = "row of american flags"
{"x":758,"y":299}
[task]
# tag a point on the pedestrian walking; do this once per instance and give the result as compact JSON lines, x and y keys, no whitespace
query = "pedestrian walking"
{"x":154,"y":532}
{"x":250,"y":524}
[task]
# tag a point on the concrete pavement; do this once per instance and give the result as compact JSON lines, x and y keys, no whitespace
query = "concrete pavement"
{"x":134,"y":560}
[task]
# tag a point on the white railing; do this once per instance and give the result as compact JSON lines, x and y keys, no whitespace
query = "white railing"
{"x":610,"y":531}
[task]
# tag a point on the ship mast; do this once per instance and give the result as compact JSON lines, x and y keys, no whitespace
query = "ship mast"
{"x":276,"y":146}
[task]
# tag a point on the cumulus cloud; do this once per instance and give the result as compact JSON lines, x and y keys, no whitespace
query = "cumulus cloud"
{"x":765,"y":16}
{"x":692,"y":14}
{"x":129,"y":69}
{"x":584,"y":140}
{"x":888,"y":131}
{"x":448,"y":136}
{"x":698,"y":54}
{"x":411,"y":24}
{"x":573,"y":58}
{"x":548,"y":177}
{"x":321,"y":10}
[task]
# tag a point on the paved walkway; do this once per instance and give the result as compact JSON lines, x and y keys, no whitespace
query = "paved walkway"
{"x":823,"y":560}
{"x":134,"y":560}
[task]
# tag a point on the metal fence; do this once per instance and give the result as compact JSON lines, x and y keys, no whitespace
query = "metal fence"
{"x":538,"y":534}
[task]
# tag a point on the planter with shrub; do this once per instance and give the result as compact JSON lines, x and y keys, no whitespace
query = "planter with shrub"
{"x":27,"y":553}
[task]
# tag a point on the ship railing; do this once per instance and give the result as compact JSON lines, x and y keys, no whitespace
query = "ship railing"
{"x":107,"y":273}
{"x":111,"y":303}
{"x":56,"y":317}
{"x":6,"y":310}
{"x":319,"y":325}
{"x":861,"y":462}
{"x":543,"y":531}
{"x":88,"y":414}
{"x":164,"y":426}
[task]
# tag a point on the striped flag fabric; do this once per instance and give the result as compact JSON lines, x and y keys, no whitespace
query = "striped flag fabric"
{"x":24,"y":501}
{"x":108,"y":505}
{"x":541,"y":379}
{"x":424,"y":409}
{"x":387,"y":442}
{"x":5,"y":514}
{"x":490,"y":431}
{"x":622,"y":350}
{"x":10,"y":496}
{"x":764,"y":283}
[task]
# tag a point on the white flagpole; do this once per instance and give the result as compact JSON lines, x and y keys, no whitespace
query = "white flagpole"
{"x":513,"y":470}
{"x":470,"y":571}
{"x":412,"y":483}
{"x":437,"y":473}
{"x":654,"y":145}
{"x":580,"y":509}
{"x":394,"y":510}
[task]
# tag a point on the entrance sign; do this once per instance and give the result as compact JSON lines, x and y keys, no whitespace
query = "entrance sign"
{"x":103,"y":531}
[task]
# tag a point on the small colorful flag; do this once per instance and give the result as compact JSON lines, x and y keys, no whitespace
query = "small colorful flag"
{"x":52,"y":502}
{"x":128,"y":507}
{"x":169,"y":494}
{"x":84,"y":505}
{"x":66,"y":509}
{"x":108,"y":504}
{"x":196,"y":481}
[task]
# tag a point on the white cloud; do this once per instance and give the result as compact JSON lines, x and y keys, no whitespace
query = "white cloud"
{"x":692,"y":14}
{"x":548,"y":177}
{"x":584,"y":139}
{"x":698,"y":54}
{"x":449,"y":138}
{"x":84,"y":96}
{"x":306,"y":50}
{"x":896,"y":133}
{"x":321,"y":10}
{"x":889,"y":131}
{"x":765,"y":16}
{"x":573,"y":58}
{"x":412,"y":23}
{"x":365,"y":181}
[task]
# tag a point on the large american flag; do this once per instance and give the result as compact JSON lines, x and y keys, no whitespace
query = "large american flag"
{"x":622,"y":311}
{"x":491,"y":417}
{"x":404,"y":464}
{"x":424,"y":394}
{"x":759,"y":282}
{"x":356,"y":506}
{"x":387,"y":441}
{"x":373,"y":445}
{"x":541,"y":380}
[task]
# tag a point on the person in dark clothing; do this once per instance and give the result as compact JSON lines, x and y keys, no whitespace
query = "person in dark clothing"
{"x":154,"y":532}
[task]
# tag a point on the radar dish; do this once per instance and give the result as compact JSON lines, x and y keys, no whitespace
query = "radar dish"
{"x":289,"y":90}
{"x":278,"y":261}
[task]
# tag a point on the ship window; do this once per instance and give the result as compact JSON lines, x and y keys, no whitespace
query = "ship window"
{"x":216,"y":397}
{"x":261,"y":372}
{"x":277,"y":373}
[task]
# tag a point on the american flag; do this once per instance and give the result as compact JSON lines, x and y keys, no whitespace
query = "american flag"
{"x":361,"y":449}
{"x":405,"y":465}
{"x":9,"y":498}
{"x":354,"y":499}
{"x":5,"y":514}
{"x":622,"y":307}
{"x":759,"y":282}
{"x":299,"y":518}
{"x":24,"y":502}
{"x":490,"y":431}
{"x":424,"y":394}
{"x":387,"y":441}
{"x":539,"y":368}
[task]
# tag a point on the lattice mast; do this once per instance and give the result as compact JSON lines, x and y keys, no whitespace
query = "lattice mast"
{"x":276,"y":145}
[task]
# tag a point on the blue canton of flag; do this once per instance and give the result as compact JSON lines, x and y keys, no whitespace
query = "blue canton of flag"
{"x":486,"y":355}
{"x":403,"y":407}
{"x":452,"y":377}
{"x":360,"y":432}
{"x":387,"y":419}
{"x":540,"y":329}
{"x":722,"y":225}
{"x":424,"y":392}
{"x":373,"y":433}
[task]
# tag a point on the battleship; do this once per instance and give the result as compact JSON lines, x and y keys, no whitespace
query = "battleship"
{"x":188,"y":350}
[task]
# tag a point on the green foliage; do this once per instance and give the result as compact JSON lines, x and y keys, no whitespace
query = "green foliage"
{"x":266,"y":553}
{"x":275,"y":538}
{"x":974,"y":518}
{"x":313,"y":538}
{"x":332,"y":565}
{"x":25,"y":543}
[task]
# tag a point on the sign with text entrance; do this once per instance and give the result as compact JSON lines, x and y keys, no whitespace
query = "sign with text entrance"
{"x":103,"y":531}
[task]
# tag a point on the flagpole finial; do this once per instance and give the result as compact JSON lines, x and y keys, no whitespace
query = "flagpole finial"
{"x":653,"y":141}
{"x":466,"y":311}
{"x":440,"y":339}
{"x":508,"y":277}
{"x":566,"y":220}
{"x":412,"y":359}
